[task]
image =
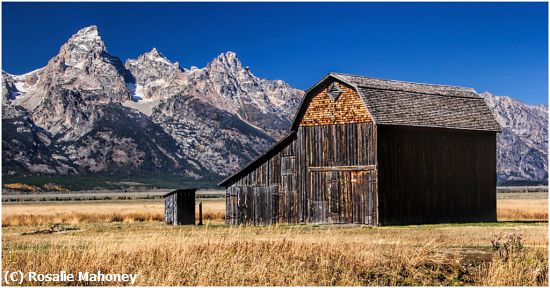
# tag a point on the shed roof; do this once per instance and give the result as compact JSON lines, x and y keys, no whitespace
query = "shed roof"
{"x":179,"y":191}
{"x":281,"y":144}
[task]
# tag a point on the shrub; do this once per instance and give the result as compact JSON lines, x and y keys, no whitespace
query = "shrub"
{"x":505,"y":247}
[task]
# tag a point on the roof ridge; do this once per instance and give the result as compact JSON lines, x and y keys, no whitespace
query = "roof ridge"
{"x":402,"y":81}
{"x":425,"y":93}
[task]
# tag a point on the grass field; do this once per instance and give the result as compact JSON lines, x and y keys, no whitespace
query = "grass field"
{"x":522,"y":206}
{"x":129,"y":237}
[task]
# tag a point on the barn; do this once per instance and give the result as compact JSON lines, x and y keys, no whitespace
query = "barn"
{"x":376,"y":152}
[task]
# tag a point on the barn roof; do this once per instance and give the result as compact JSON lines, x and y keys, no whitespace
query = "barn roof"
{"x":392,"y":102}
{"x":394,"y":85}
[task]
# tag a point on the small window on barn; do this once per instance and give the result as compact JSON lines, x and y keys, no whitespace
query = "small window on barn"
{"x":334,"y":91}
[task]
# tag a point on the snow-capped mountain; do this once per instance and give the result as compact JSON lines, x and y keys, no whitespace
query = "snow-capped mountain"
{"x":224,"y":84}
{"x":86,"y":112}
{"x":523,"y":144}
{"x":265,"y":104}
{"x":155,"y":77}
{"x":62,"y":96}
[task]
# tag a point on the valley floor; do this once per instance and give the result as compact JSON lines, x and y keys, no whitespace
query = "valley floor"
{"x":128,"y":236}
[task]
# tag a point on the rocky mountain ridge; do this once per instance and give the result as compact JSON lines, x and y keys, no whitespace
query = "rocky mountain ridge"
{"x":522,"y":146}
{"x":87,"y":113}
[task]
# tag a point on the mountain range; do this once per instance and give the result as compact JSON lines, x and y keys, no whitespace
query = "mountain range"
{"x":88,"y":113}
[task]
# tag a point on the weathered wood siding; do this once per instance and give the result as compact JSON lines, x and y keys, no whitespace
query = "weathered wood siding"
{"x":291,"y":186}
{"x":264,"y":196}
{"x":179,"y":208}
{"x":429,"y":175}
{"x":321,"y":109}
{"x":326,"y":174}
{"x":170,"y":209}
{"x":343,"y":196}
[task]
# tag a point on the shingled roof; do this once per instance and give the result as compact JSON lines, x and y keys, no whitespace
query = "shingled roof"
{"x":403,"y":103}
{"x":418,"y":109}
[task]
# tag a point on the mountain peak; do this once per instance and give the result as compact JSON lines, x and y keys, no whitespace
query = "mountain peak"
{"x":86,"y":40}
{"x":229,"y":60}
{"x":155,"y":56}
{"x":84,"y":64}
{"x":153,"y":73}
{"x":87,"y":34}
{"x":229,"y":55}
{"x":154,"y":52}
{"x":91,"y":30}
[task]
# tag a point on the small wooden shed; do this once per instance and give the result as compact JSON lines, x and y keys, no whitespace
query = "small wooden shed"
{"x":376,"y":152}
{"x":179,"y":207}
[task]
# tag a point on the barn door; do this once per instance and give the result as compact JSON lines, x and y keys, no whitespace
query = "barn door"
{"x":363,"y":186}
{"x":334,"y":193}
{"x":318,"y":206}
{"x":231,"y":205}
{"x":242,"y":205}
{"x":343,"y":196}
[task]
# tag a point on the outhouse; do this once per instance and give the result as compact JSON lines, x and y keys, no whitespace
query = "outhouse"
{"x":179,"y":207}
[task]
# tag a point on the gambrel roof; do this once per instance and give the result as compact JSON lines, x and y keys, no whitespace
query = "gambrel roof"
{"x":403,"y":103}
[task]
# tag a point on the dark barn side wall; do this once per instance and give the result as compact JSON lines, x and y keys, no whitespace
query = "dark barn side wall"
{"x":429,"y":175}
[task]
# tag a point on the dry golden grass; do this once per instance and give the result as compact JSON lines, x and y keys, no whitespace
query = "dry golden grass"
{"x":278,"y":255}
{"x":21,"y":186}
{"x":522,"y":208}
{"x":79,"y":218}
{"x":510,"y":206}
{"x":90,"y":212}
{"x":215,"y":254}
{"x":529,"y":268}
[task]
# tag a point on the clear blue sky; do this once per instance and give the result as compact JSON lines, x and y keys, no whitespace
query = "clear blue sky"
{"x":499,"y":47}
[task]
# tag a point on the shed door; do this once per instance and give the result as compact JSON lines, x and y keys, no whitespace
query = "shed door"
{"x":343,"y":196}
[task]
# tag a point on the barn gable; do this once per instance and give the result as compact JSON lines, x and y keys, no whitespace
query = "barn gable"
{"x":334,"y":102}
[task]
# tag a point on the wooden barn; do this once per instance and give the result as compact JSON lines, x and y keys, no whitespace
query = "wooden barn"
{"x":376,"y":152}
